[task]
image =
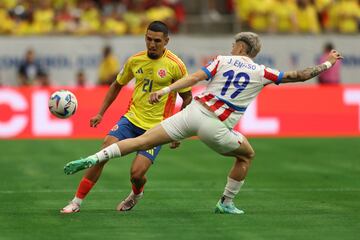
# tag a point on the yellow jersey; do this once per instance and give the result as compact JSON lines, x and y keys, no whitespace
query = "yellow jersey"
{"x":151,"y":75}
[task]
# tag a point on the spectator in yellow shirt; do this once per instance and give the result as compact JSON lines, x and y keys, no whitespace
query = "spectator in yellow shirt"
{"x":109,"y":67}
{"x":307,"y":17}
{"x":283,"y":17}
{"x":136,"y":18}
{"x":89,"y":18}
{"x":242,"y":10}
{"x":65,"y":20}
{"x":161,"y":12}
{"x":113,"y":25}
{"x":345,"y":16}
{"x":22,"y":18}
{"x":323,"y":10}
{"x":259,"y":15}
{"x":43,"y":18}
{"x":6,"y":23}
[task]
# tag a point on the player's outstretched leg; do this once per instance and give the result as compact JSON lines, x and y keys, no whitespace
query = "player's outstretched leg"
{"x":153,"y":137}
{"x":81,"y":164}
{"x":244,"y":155}
{"x":101,"y":156}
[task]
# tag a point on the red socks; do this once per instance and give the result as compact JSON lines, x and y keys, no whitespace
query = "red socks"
{"x":136,"y":190}
{"x":84,"y":188}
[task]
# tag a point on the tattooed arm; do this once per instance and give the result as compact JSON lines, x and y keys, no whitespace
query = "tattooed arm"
{"x":303,"y":75}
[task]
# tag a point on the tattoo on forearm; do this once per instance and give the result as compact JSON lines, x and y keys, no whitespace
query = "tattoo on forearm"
{"x":307,"y":73}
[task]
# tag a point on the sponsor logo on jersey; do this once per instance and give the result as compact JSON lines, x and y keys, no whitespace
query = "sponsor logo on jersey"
{"x":140,"y":71}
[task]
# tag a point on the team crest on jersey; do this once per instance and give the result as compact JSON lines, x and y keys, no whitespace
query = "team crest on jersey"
{"x":116,"y":127}
{"x":162,"y":73}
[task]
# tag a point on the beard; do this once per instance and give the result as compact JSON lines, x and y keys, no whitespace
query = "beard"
{"x":153,"y":55}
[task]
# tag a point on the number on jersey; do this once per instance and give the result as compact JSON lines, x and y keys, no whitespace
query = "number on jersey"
{"x":240,"y":82}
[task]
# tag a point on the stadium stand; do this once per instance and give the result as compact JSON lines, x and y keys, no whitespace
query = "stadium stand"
{"x":120,"y":17}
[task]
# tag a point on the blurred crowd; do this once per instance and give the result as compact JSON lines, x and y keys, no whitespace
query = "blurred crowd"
{"x":119,"y":17}
{"x":299,"y":16}
{"x":83,"y":17}
{"x":31,"y":73}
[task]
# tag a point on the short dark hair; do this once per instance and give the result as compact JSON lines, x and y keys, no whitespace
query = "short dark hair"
{"x":158,"y":26}
{"x":328,"y":46}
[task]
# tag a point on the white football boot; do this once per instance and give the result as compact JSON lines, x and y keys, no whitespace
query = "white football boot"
{"x":128,"y":203}
{"x":72,"y":207}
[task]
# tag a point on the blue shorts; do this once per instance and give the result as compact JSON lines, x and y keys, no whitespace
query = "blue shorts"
{"x":125,"y":129}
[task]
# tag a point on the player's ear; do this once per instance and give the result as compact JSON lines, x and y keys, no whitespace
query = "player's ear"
{"x":167,"y":39}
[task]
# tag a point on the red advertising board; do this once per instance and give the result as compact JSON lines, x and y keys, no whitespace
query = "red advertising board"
{"x":287,"y":110}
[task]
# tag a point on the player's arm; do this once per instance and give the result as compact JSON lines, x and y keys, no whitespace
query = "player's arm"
{"x":111,"y":95}
{"x":124,"y":76}
{"x":186,"y":98}
{"x":310,"y":72}
{"x":184,"y":82}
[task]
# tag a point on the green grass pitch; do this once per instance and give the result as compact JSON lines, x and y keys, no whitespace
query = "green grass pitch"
{"x":296,"y":189}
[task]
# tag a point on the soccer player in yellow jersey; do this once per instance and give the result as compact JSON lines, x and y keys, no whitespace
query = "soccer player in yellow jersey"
{"x":153,"y":70}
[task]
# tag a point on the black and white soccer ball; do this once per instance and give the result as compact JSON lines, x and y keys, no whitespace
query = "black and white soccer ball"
{"x":63,"y":104}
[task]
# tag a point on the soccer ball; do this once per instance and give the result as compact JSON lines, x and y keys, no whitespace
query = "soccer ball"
{"x":62,"y":104}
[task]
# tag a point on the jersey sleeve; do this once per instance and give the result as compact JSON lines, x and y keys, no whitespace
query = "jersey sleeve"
{"x":125,"y":74}
{"x":211,"y":68}
{"x":269,"y":75}
{"x":181,"y":72}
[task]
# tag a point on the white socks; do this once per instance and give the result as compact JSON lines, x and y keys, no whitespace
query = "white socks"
{"x":231,"y":189}
{"x":109,"y":152}
{"x":77,"y":200}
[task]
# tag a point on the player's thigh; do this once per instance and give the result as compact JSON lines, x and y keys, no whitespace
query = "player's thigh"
{"x":244,"y":149}
{"x":152,"y":138}
{"x":183,"y":124}
{"x":223,"y":140}
{"x":123,"y":129}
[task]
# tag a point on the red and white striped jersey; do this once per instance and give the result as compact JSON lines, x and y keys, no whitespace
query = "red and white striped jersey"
{"x":234,"y":81}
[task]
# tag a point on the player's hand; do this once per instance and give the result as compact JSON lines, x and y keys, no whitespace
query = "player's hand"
{"x":174,"y":144}
{"x":94,"y":121}
{"x":155,"y":96}
{"x":334,"y":56}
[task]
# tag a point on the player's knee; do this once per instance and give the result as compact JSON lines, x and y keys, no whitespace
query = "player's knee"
{"x":136,"y":176}
{"x":250,"y":154}
{"x":247,"y":157}
{"x":244,"y":161}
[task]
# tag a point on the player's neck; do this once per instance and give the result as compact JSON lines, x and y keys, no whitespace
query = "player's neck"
{"x":153,"y":57}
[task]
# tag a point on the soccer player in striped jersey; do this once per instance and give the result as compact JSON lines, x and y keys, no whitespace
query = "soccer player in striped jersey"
{"x":233,"y":82}
{"x":153,"y":69}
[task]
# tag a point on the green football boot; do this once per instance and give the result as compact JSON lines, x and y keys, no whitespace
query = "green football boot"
{"x":227,"y":208}
{"x":77,"y":165}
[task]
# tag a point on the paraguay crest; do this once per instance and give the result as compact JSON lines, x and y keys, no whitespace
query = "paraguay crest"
{"x":162,"y":73}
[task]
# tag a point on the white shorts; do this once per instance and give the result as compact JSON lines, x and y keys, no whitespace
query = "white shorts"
{"x":196,"y":120}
